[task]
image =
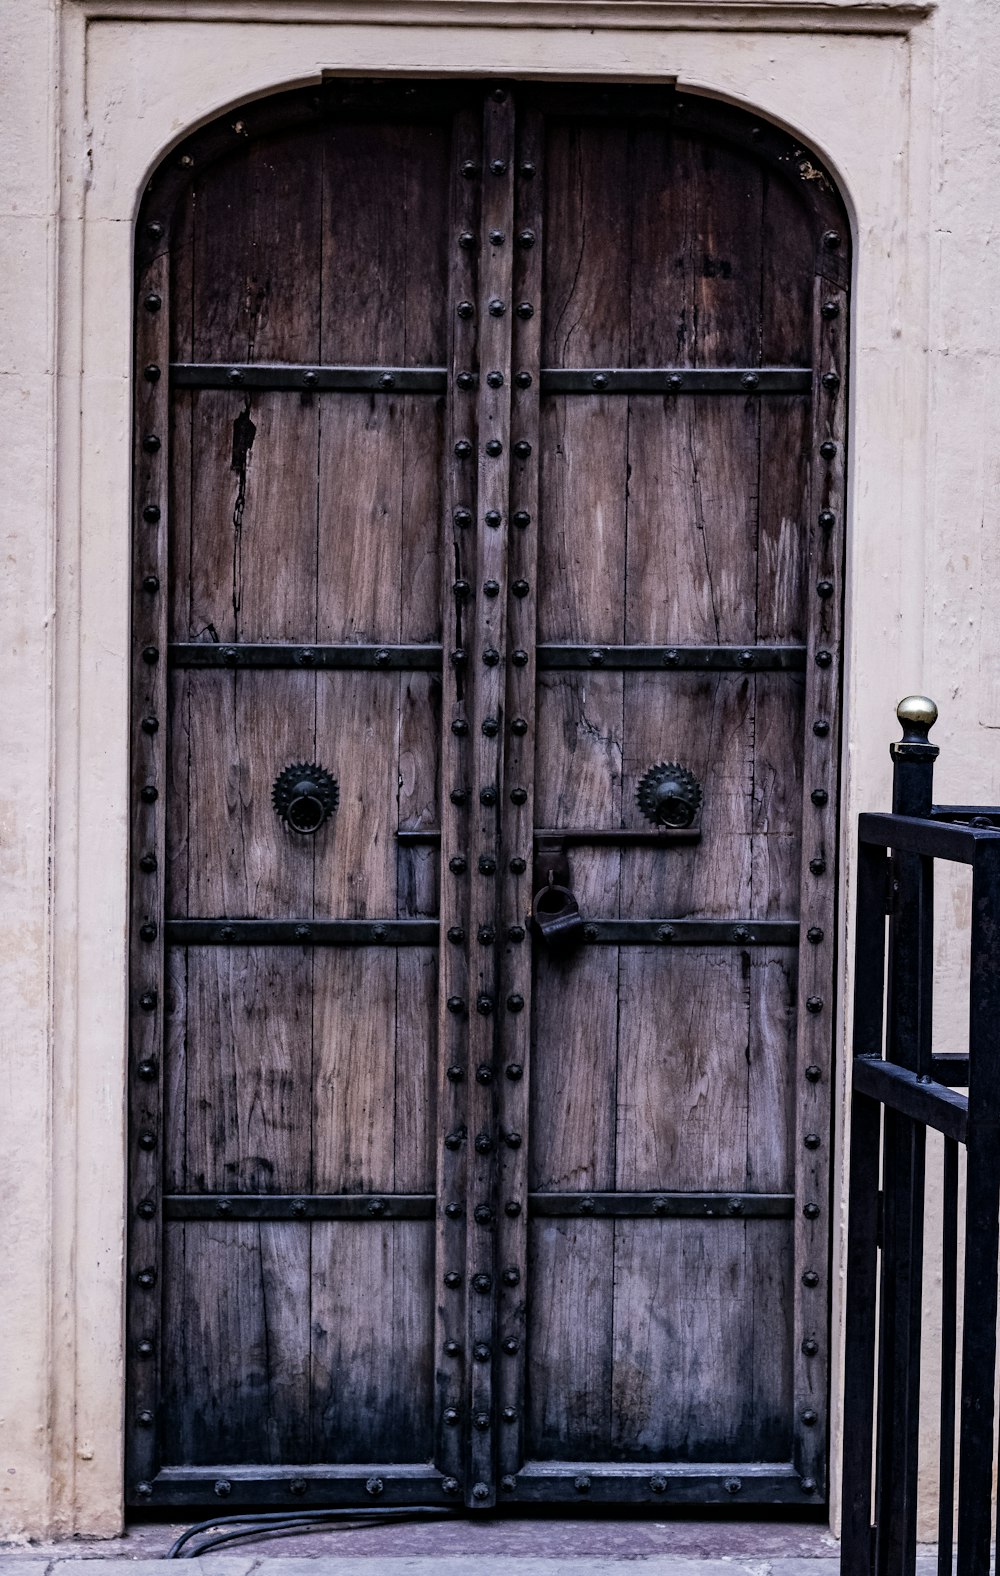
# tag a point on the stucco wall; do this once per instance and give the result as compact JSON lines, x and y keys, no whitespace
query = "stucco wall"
{"x":898,"y":98}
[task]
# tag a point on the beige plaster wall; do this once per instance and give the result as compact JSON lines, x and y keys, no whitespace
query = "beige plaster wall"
{"x":899,"y":100}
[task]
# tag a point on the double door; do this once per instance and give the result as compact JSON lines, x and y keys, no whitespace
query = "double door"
{"x":489,"y":458}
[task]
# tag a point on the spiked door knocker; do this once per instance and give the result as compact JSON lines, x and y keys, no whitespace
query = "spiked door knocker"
{"x":304,"y":796}
{"x":669,"y":795}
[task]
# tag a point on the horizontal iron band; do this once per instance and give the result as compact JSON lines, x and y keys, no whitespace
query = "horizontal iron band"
{"x":301,"y":932}
{"x":761,"y":1483}
{"x":693,"y":932}
{"x":681,"y":659}
{"x":677,"y":1206}
{"x":296,"y":1486}
{"x":212,"y":654}
{"x":298,"y":1206}
{"x":580,"y":836}
{"x":676,"y":380}
{"x":929,"y":1103}
{"x":307,"y":379}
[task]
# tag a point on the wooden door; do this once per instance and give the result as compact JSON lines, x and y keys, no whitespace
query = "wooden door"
{"x":488,"y":520}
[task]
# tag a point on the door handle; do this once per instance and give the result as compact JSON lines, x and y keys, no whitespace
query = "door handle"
{"x":555,"y":909}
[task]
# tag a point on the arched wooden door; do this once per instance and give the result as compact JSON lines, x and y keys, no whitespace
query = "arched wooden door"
{"x":488,"y":522}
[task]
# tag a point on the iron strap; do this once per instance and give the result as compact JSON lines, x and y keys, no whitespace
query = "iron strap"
{"x":667,"y":1206}
{"x":693,"y":932}
{"x":421,"y":1206}
{"x":676,"y":380}
{"x":712,"y":659}
{"x":301,"y":932}
{"x":307,"y":379}
{"x":387,"y":659}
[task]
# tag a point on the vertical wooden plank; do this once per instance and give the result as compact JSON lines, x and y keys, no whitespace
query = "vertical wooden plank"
{"x":355,"y":1070}
{"x":570,"y":1340}
{"x":357,"y":739}
{"x":148,"y":782}
{"x":416,"y":1061}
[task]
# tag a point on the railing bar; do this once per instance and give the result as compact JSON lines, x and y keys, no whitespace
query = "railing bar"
{"x":949,"y":1353}
{"x":918,"y":835}
{"x":905,"y":1093}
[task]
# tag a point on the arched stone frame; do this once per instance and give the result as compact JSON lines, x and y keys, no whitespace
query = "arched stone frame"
{"x":774,"y":71}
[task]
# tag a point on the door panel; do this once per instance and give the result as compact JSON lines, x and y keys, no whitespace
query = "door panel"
{"x":489,"y":458}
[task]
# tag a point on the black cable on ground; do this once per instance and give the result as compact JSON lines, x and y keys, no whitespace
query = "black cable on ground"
{"x":227,"y":1529}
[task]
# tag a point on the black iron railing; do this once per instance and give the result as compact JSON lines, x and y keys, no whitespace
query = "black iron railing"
{"x":901,"y":1087}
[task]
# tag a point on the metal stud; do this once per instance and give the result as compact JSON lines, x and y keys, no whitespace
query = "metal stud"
{"x":582,"y":1484}
{"x":522,"y":448}
{"x":828,"y":449}
{"x":452,"y":1349}
{"x":809,"y":1416}
{"x":146,"y":1279}
{"x":515,"y":933}
{"x":520,"y":588}
{"x":484,"y":1074}
{"x":469,"y":169}
{"x":522,"y":519}
{"x":810,"y":1211}
{"x":463,"y":518}
{"x":145,"y":1490}
{"x":511,"y":1276}
{"x":519,"y":796}
{"x":147,"y":863}
{"x":145,"y":1418}
{"x":487,"y":865}
{"x":519,"y":726}
{"x":814,"y":1004}
{"x":813,"y":1074}
{"x":310,"y":380}
{"x":511,"y":1345}
{"x":810,"y":1347}
{"x":466,"y":380}
{"x":821,"y":727}
{"x":819,"y":796}
{"x":458,"y":657}
{"x":491,"y":727}
{"x":151,"y":583}
{"x":150,"y":655}
{"x":455,"y":1073}
{"x":481,"y":1352}
{"x":512,"y":1140}
{"x":824,"y":589}
{"x":824,"y":659}
{"x":483,"y":1215}
{"x":523,"y":380}
{"x":817,"y":865}
{"x":458,"y":796}
{"x":450,"y":1485}
{"x":491,"y":588}
{"x":830,"y":309}
{"x":514,"y":1071}
{"x":460,"y":727}
{"x":148,"y":1001}
{"x":235,"y":376}
{"x":463,"y":448}
{"x":524,"y":309}
{"x":811,"y":1140}
{"x":488,"y":796}
{"x":151,"y":443}
{"x":456,"y":1005}
{"x":498,"y":166}
{"x":494,"y":380}
{"x":454,"y":1211}
{"x":465,"y":309}
{"x":527,"y":170}
{"x":494,"y":447}
{"x":658,"y":1484}
{"x":453,"y":1280}
{"x":512,"y":1208}
{"x":509,"y":1414}
{"x":497,"y":237}
{"x":515,"y":1002}
{"x":830,"y":382}
{"x":151,"y":513}
{"x":600,"y":380}
{"x":831,"y":240}
{"x":827,"y":519}
{"x":497,"y":308}
{"x":814,"y":934}
{"x":482,"y":1282}
{"x":484,"y":1144}
{"x":482,"y":1422}
{"x":145,"y":1209}
{"x":151,"y":373}
{"x":145,"y":1348}
{"x":484,"y":1004}
{"x":519,"y":658}
{"x":517,"y":866}
{"x":467,"y":240}
{"x":491,"y":657}
{"x":810,"y":1279}
{"x":387,"y":381}
{"x":148,"y":1067}
{"x":374,"y":1487}
{"x":750,"y":380}
{"x":493,"y":518}
{"x":480,"y":1491}
{"x":153,"y":302}
{"x":148,"y":930}
{"x":457,"y":864}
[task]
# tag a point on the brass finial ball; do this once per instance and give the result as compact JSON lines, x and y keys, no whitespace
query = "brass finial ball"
{"x":917,"y":711}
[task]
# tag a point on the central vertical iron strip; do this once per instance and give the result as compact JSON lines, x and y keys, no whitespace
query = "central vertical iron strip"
{"x":486,"y":752}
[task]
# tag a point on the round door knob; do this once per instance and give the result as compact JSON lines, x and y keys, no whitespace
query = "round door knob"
{"x":669,"y":795}
{"x":304,"y":796}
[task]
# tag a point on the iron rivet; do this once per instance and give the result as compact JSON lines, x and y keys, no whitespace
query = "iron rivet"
{"x":227,"y":933}
{"x":467,"y":240}
{"x":487,"y":865}
{"x":150,"y":655}
{"x":522,"y":448}
{"x":511,"y":1276}
{"x":582,"y":1485}
{"x":824,"y":589}
{"x":497,"y":237}
{"x":376,"y":1206}
{"x":450,"y":1485}
{"x":587,"y":1206}
{"x":145,"y":1418}
{"x":745,"y":659}
{"x":831,"y":240}
{"x":145,"y":1209}
{"x":526,"y":238}
{"x":151,"y":443}
{"x":229,"y":655}
{"x":224,"y":1207}
{"x":151,"y":513}
{"x":520,"y":588}
{"x":153,"y":302}
{"x":463,"y":448}
{"x":810,"y":1279}
{"x":465,"y":309}
{"x":817,"y":866}
{"x":664,"y":932}
{"x":525,"y":309}
{"x":456,"y":1005}
{"x":463,"y":518}
{"x":658,"y":1485}
{"x":734,"y":1205}
{"x":484,"y":1074}
{"x":750,"y":380}
{"x":493,"y":518}
{"x":494,"y":380}
{"x":515,"y":1002}
{"x":498,"y":166}
{"x":824,"y":659}
{"x":151,"y":583}
{"x":455,"y":1073}
{"x":829,"y":309}
{"x":811,"y":1140}
{"x":827,"y":519}
{"x":600,"y":380}
{"x":481,"y":1352}
{"x":223,"y":1488}
{"x":813,"y":1074}
{"x":310,"y":379}
{"x":453,"y":1280}
{"x":154,"y":229}
{"x":297,"y":1486}
{"x":509,"y":1414}
{"x":828,"y":449}
{"x":488,"y":797}
{"x":522,"y":519}
{"x":810,"y":1211}
{"x":512,"y":1208}
{"x":302,"y":933}
{"x":517,"y":866}
{"x":374,"y":1487}
{"x":810,"y":1347}
{"x":675,"y":381}
{"x":519,"y":658}
{"x":147,"y":863}
{"x":387,"y":381}
{"x":147,"y":930}
{"x":497,"y":307}
{"x":460,"y":727}
{"x":527,"y":169}
{"x":484,"y":1004}
{"x":494,"y":447}
{"x":235,"y":376}
{"x":145,"y":1348}
{"x":482,"y":1422}
{"x":512,"y":1140}
{"x":458,"y":796}
{"x":514,"y":1071}
{"x":814,"y":1004}
{"x":482,"y":1282}
{"x":486,"y":935}
{"x":518,"y":795}
{"x":484,"y":1144}
{"x":523,"y":380}
{"x":458,"y":657}
{"x":590,"y":932}
{"x":511,"y":1345}
{"x":491,"y":588}
{"x":480,"y":1491}
{"x":741,"y":933}
{"x":452,"y":1349}
{"x":147,"y":1068}
{"x":819,"y":796}
{"x":515,"y":933}
{"x":830,"y":381}
{"x":733,"y":1485}
{"x":596,"y":658}
{"x":144,"y":1490}
{"x":148,"y":1000}
{"x":454,"y":1211}
{"x":814,"y":934}
{"x":821,"y":728}
{"x":519,"y":727}
{"x":809,"y":1417}
{"x":670,"y":659}
{"x":469,"y":168}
